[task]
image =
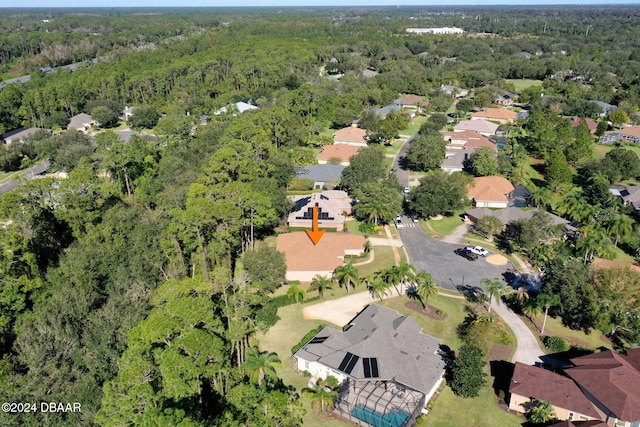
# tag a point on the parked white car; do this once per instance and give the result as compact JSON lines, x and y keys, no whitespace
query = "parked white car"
{"x":399,"y":224}
{"x":478,"y":250}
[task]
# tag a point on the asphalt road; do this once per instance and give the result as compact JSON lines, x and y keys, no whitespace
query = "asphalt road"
{"x":27,"y":173}
{"x":438,"y":259}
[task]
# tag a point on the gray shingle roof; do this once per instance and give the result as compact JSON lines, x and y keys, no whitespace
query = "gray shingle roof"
{"x":404,"y":354}
{"x":320,"y":173}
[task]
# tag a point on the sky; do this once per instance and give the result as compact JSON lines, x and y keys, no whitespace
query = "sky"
{"x":288,"y":3}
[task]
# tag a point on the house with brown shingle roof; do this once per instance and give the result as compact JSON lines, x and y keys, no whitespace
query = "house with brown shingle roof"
{"x":499,"y":115}
{"x":305,"y":260}
{"x":591,"y":125}
{"x":414,"y":102}
{"x":338,"y":154}
{"x":351,"y":135}
{"x":612,"y":382}
{"x":530,"y":383}
{"x":483,"y":127}
{"x":490,"y":192}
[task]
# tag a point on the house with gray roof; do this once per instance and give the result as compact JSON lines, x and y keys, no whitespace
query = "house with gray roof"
{"x":19,"y":135}
{"x":81,"y":122}
{"x":512,"y":214}
{"x":384,"y":111}
{"x":605,"y":107}
{"x":630,"y":195}
{"x":322,"y":175}
{"x":387,"y":367}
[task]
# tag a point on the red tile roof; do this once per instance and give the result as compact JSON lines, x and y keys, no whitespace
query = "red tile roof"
{"x":302,"y":255}
{"x":472,"y":139}
{"x":351,"y":134}
{"x":490,"y":188}
{"x":338,"y":151}
{"x":611,"y":379}
{"x":631,"y":131}
{"x":495,"y":113}
{"x":560,"y":391}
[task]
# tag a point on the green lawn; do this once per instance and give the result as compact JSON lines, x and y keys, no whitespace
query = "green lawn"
{"x":414,"y":125}
{"x":522,"y":84}
{"x":479,"y":411}
{"x":442,"y":329}
{"x":554,"y":327}
{"x":279,"y":339}
{"x":353,"y":227}
{"x":447,"y":224}
{"x":599,"y":150}
{"x":383,"y":259}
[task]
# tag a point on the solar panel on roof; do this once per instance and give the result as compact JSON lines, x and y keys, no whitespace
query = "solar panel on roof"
{"x":374,"y":367}
{"x":367,"y":367}
{"x":345,"y":361}
{"x":318,"y":340}
{"x":352,"y":364}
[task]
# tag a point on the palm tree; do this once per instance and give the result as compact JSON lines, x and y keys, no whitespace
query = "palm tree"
{"x":378,"y":289}
{"x":346,"y":276}
{"x":320,"y":284}
{"x":296,"y":293}
{"x":486,"y":318}
{"x":621,"y":227}
{"x":260,"y":365}
{"x":425,"y":287}
{"x":570,"y":202}
{"x":493,"y":287}
{"x":406,"y":273}
{"x":320,"y":398}
{"x":546,"y":301}
{"x":541,"y":412}
{"x":540,"y":196}
{"x":532,"y":309}
{"x":594,"y":241}
{"x":390,"y":276}
{"x":520,"y":295}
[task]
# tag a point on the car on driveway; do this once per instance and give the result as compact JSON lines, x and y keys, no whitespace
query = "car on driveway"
{"x":407,"y":189}
{"x":464,"y":252}
{"x":478,"y":250}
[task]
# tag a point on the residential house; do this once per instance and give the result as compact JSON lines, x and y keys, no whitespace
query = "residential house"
{"x":436,"y":30}
{"x":498,"y":115}
{"x":389,"y":368}
{"x":305,"y":260}
{"x":454,"y":91}
{"x":323,"y":176}
{"x":81,"y":122}
{"x":512,"y":214}
{"x":128,"y":112}
{"x":490,"y":192}
{"x":236,"y":109}
{"x":612,"y":382}
{"x":530,"y":383}
{"x":506,"y":99}
{"x":412,"y":102}
{"x":338,"y":154}
{"x":522,"y":115}
{"x":369,"y":73}
{"x":567,"y":423}
{"x":604,"y":107}
{"x":592,"y":125}
{"x":333,"y":207}
{"x":483,"y":127}
{"x":351,"y":135}
{"x":383,"y":112}
{"x":630,"y":195}
{"x":467,"y":139}
{"x":19,"y":135}
{"x":455,"y":159}
{"x":630,"y":134}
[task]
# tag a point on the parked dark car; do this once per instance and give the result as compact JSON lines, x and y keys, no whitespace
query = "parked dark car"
{"x":463,"y":252}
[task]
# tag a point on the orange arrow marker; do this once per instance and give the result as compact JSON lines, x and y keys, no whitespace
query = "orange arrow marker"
{"x":315,"y":235}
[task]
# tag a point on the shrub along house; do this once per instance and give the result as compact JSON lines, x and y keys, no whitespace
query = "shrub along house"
{"x":388,"y":368}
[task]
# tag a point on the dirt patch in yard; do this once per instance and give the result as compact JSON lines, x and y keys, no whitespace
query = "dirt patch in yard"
{"x":499,"y":352}
{"x":497,"y":259}
{"x":431,"y":311}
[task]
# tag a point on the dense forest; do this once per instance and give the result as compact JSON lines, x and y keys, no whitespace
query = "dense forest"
{"x":137,"y":285}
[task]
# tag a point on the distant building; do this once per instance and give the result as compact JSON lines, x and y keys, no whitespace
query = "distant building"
{"x":322,"y":175}
{"x":19,"y":135}
{"x":499,"y":115}
{"x":351,"y":135}
{"x":337,"y":154}
{"x":236,"y":109}
{"x":81,"y":122}
{"x":483,"y":127}
{"x":436,"y":30}
{"x":630,"y":134}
